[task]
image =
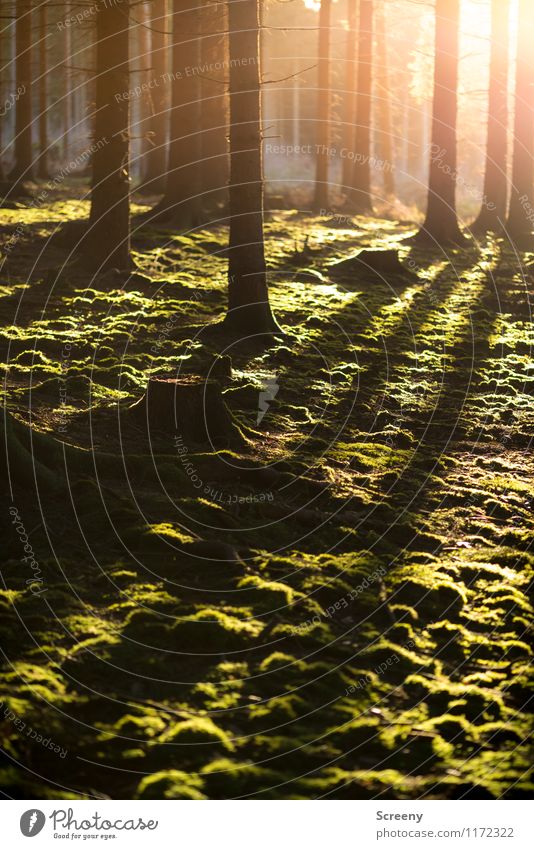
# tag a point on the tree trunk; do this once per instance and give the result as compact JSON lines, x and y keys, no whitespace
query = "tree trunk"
{"x":415,"y":121}
{"x":42,"y":167}
{"x":145,"y":75}
{"x":521,"y":213}
{"x":320,"y":199}
{"x":156,"y":165}
{"x":67,"y":82}
{"x":23,"y":166}
{"x":295,"y":105}
{"x":493,"y":211}
{"x":109,"y":235}
{"x":249,"y":311}
{"x":361,"y":200}
{"x":87,"y":59}
{"x":182,"y":199}
{"x":350,"y":92}
{"x":2,"y":100}
{"x":384,"y":109}
{"x":441,"y":222}
{"x":214,"y":98}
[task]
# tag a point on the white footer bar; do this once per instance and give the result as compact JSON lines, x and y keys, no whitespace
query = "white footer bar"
{"x":269,"y":824}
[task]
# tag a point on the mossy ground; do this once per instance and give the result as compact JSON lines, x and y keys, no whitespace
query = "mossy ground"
{"x":357,"y":620}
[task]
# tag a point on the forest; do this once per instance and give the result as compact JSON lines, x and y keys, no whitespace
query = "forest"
{"x":267,"y":272}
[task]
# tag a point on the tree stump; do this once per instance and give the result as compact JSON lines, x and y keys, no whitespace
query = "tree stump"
{"x":191,"y":407}
{"x":383,"y":263}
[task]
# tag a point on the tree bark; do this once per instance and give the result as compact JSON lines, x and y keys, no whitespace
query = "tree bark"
{"x":249,"y":311}
{"x":320,"y":197}
{"x":109,"y":235}
{"x":441,"y":222}
{"x":42,"y":166}
{"x":493,"y":211}
{"x":23,"y":166}
{"x":361,"y":199}
{"x":142,"y":65}
{"x":157,"y":156}
{"x":384,"y":107}
{"x":521,"y":213}
{"x":182,"y":199}
{"x":416,"y":115}
{"x":2,"y":100}
{"x":192,"y":406}
{"x":350,"y":91}
{"x":214,"y":99}
{"x":67,"y":83}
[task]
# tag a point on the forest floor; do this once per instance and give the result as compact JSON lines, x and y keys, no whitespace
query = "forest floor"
{"x":335,"y":606}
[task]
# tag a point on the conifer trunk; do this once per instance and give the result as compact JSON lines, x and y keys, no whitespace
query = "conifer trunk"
{"x":441,"y":222}
{"x":42,"y":167}
{"x":493,"y":211}
{"x":384,"y":106}
{"x":145,"y":76}
{"x":156,"y":164}
{"x":182,"y":193}
{"x":361,"y":199}
{"x":521,"y":213}
{"x":249,"y":311}
{"x":67,"y":81}
{"x":350,"y":91}
{"x":2,"y":100}
{"x":320,"y":199}
{"x":214,"y":99}
{"x":23,"y":165}
{"x":109,"y":234}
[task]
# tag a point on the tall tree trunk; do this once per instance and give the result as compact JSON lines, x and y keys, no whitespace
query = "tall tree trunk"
{"x":145,"y":74}
{"x":182,"y":199}
{"x":249,"y":311}
{"x":3,"y":59}
{"x":42,"y":167}
{"x":415,"y":121}
{"x":156,"y":165}
{"x":493,"y":211}
{"x":320,"y":198}
{"x":67,"y":84}
{"x":214,"y":99}
{"x":521,"y":213}
{"x":23,"y":166}
{"x":349,"y":98}
{"x":109,"y":234}
{"x":295,"y":105}
{"x":361,"y":199}
{"x":441,"y":222}
{"x":384,"y":107}
{"x":88,"y":60}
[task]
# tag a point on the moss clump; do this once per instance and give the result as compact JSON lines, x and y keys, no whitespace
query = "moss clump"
{"x":225,"y":778}
{"x":431,"y":599}
{"x":170,"y":784}
{"x":198,"y":732}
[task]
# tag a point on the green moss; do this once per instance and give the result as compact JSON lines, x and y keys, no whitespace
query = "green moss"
{"x":225,"y":778}
{"x":394,"y":453}
{"x":198,"y":732}
{"x":170,"y":784}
